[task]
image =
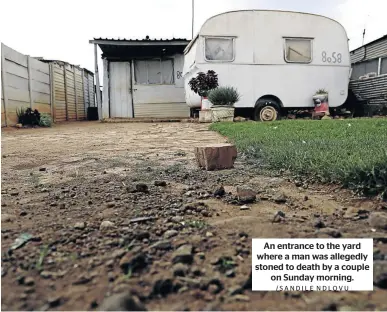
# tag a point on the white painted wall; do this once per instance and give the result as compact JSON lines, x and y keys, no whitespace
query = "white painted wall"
{"x":163,"y":93}
{"x":259,"y":67}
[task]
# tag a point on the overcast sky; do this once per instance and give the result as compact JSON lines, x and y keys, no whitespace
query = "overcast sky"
{"x":62,"y":29}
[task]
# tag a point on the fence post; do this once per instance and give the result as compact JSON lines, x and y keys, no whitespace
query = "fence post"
{"x":75,"y":94}
{"x":29,"y":79}
{"x":52,"y":91}
{"x":83,"y":90}
{"x":3,"y":85}
{"x":88,"y":90}
{"x":65,"y":91}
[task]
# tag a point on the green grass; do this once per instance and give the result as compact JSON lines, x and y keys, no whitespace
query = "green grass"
{"x":351,"y":151}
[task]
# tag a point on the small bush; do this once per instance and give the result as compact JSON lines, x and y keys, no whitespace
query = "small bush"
{"x":28,"y":116}
{"x":225,"y":96}
{"x":321,"y":92}
{"x":45,"y":120}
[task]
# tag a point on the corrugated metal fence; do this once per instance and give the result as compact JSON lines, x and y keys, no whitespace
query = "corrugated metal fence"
{"x":373,"y":93}
{"x":370,"y":51}
{"x":62,"y":90}
{"x":73,"y":91}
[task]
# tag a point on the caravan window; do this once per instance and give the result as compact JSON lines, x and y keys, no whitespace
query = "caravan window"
{"x":298,"y":50}
{"x":219,"y":49}
{"x":154,"y":71}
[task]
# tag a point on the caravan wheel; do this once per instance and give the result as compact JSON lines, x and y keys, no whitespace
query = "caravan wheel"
{"x":266,"y":112}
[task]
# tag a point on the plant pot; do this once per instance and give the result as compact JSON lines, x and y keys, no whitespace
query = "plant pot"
{"x":206,"y":104}
{"x":205,"y":116}
{"x":320,"y":98}
{"x":222,"y":113}
{"x":321,"y":105}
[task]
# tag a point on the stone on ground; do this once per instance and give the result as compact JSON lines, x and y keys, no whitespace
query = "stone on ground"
{"x":246,"y":195}
{"x":183,"y":254}
{"x":378,"y":220}
{"x":106,"y":225}
{"x":122,"y":302}
{"x":216,"y":156}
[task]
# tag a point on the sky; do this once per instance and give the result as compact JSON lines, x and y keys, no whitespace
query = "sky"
{"x":62,"y":29}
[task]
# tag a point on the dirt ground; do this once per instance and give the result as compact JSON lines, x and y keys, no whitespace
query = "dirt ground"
{"x":63,"y":184}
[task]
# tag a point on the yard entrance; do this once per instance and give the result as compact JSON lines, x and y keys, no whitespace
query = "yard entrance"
{"x":109,"y":205}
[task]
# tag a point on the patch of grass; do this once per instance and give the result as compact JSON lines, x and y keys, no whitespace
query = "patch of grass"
{"x":34,"y":179}
{"x":73,"y":256}
{"x":128,"y":275}
{"x":177,"y":167}
{"x":114,"y":163}
{"x":198,"y":224}
{"x":351,"y":151}
{"x":42,"y":255}
{"x":225,"y":264}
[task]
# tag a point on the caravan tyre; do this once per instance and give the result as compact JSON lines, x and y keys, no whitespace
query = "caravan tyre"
{"x":267,"y":112}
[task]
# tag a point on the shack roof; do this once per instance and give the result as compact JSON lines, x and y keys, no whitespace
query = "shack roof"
{"x":140,"y":48}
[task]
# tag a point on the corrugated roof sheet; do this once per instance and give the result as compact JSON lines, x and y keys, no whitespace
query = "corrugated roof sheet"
{"x":370,"y":43}
{"x":142,"y":40}
{"x":370,"y":51}
{"x":61,"y":62}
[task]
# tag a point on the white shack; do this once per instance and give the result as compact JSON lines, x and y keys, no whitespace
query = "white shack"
{"x":276,"y":59}
{"x":142,"y":78}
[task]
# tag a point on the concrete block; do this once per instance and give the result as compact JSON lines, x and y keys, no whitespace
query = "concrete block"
{"x":216,"y":156}
{"x":205,"y":116}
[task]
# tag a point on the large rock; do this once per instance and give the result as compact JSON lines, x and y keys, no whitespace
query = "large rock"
{"x":246,"y":195}
{"x":183,"y":255}
{"x":122,"y":302}
{"x":216,"y":156}
{"x":378,"y":220}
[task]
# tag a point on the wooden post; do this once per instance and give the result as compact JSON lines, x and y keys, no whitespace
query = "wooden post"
{"x":132,"y":84}
{"x":52,"y":91}
{"x":105,"y":90}
{"x":3,"y":84}
{"x":65,"y":91}
{"x":75,"y":94}
{"x":29,"y":79}
{"x":98,"y":89}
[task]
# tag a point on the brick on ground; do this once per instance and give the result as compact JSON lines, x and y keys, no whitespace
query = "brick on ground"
{"x":216,"y":156}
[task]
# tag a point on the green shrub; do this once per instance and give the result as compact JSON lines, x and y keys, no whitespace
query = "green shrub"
{"x":28,"y":116}
{"x":45,"y":120}
{"x":224,"y":96}
{"x":352,"y":152}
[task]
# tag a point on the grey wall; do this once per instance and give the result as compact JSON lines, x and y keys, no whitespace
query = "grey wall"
{"x":30,"y":83}
{"x":25,"y":83}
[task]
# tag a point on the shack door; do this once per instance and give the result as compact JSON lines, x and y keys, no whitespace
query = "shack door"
{"x":121,"y":105}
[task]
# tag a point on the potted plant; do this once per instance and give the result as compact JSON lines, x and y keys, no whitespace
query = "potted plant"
{"x":202,"y":84}
{"x":320,"y":99}
{"x":223,"y":100}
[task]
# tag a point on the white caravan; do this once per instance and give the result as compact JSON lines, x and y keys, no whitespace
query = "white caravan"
{"x":276,"y":59}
